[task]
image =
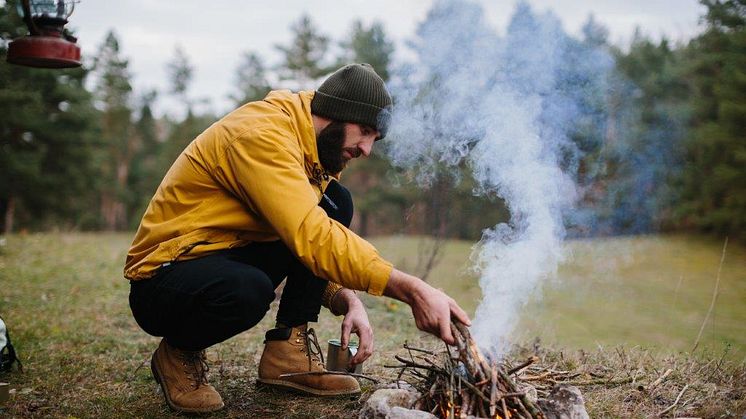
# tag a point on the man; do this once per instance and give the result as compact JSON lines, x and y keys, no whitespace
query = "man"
{"x":255,"y":199}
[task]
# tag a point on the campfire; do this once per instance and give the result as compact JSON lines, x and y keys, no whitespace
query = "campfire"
{"x":463,"y":382}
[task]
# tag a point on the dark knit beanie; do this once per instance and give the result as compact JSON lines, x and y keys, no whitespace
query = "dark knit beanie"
{"x":354,"y":93}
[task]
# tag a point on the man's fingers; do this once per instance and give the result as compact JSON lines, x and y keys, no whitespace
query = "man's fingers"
{"x":365,"y":349}
{"x":433,"y":313}
{"x":460,"y":314}
{"x":445,"y":331}
{"x":345,"y":338}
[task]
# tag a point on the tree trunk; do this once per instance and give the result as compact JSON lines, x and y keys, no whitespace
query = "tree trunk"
{"x":121,"y":207}
{"x":108,"y":211}
{"x":10,"y":214}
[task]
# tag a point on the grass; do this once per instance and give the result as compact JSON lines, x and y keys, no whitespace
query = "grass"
{"x":65,"y":302}
{"x":651,"y":291}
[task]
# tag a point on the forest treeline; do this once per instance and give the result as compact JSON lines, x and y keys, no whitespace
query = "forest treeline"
{"x":80,"y":149}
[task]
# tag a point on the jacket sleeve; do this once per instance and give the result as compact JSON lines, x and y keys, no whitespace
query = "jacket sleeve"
{"x":265,"y":170}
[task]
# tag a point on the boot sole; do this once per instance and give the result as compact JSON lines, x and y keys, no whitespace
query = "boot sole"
{"x":306,"y":390}
{"x":170,"y":403}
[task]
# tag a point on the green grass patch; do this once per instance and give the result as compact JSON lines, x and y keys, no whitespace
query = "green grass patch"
{"x":651,"y":291}
{"x":65,"y":302}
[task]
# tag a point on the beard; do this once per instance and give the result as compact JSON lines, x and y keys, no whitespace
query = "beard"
{"x":329,"y":144}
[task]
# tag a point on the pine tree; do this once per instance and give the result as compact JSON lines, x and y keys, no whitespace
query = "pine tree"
{"x":643,"y":140}
{"x":145,"y":172}
{"x":113,"y":94}
{"x":713,"y":187}
{"x":251,"y":79}
{"x":304,"y":59}
{"x":46,"y":142}
{"x":180,"y":74}
{"x":368,"y":45}
{"x":181,"y":133}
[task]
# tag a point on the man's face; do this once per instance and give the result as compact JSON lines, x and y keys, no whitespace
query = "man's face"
{"x":340,"y":142}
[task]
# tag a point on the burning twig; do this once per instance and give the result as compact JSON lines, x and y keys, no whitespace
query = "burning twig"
{"x":461,"y":382}
{"x":493,"y":390}
{"x":464,"y":383}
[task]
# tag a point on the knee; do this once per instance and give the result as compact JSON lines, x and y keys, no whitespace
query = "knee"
{"x":248,"y":297}
{"x":256,"y":292}
{"x":256,"y":298}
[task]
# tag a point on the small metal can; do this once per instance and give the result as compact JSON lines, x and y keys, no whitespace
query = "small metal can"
{"x":339,"y":360}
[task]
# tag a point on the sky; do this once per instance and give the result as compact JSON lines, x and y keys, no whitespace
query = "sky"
{"x":215,"y":33}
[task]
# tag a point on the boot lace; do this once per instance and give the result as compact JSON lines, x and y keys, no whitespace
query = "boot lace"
{"x":313,"y":349}
{"x":196,"y":368}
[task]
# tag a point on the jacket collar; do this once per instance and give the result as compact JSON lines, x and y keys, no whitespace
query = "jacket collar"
{"x":298,"y":108}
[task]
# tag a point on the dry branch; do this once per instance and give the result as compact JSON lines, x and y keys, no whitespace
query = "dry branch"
{"x":523,"y":365}
{"x":351,"y":374}
{"x":668,"y":409}
{"x":465,"y":383}
{"x":715,"y":293}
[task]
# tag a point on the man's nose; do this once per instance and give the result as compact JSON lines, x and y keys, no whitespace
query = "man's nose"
{"x":366,"y":148}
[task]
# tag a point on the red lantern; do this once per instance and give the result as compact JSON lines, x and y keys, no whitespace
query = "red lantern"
{"x":48,"y":44}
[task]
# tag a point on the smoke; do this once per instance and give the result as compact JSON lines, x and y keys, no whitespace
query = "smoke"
{"x":510,"y":108}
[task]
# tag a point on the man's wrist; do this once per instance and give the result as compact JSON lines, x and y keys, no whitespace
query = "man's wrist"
{"x":402,"y":286}
{"x":343,"y":300}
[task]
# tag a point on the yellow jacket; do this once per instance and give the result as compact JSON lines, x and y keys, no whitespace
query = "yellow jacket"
{"x":253,"y":176}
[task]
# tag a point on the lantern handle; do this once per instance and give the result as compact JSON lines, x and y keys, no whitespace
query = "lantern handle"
{"x":27,"y":18}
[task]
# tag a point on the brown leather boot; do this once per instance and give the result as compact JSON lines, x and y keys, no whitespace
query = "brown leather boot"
{"x":296,"y":350}
{"x":183,"y":378}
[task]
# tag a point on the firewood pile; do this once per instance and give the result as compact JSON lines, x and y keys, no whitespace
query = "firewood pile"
{"x":464,"y":383}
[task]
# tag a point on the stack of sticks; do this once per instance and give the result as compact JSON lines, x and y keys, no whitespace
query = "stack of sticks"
{"x":464,"y":383}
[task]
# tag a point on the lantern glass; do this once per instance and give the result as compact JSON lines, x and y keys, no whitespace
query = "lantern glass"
{"x":60,"y":9}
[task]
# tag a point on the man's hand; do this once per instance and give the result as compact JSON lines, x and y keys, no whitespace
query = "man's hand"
{"x":355,"y":321}
{"x":432,"y":309}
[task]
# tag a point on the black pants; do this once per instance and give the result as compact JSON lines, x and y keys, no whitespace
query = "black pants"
{"x":197,"y":303}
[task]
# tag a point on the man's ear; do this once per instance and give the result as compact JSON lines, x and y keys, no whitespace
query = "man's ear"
{"x":319,"y":123}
